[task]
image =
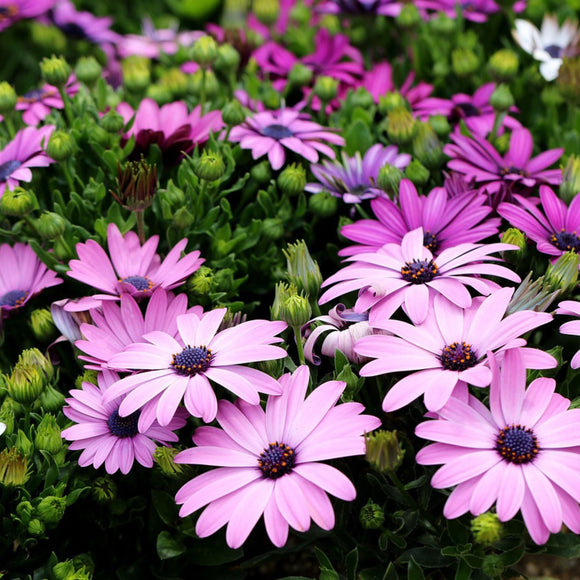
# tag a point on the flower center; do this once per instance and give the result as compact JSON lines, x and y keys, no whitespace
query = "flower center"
{"x":141,"y":283}
{"x":35,"y":96}
{"x":554,"y":51}
{"x":123,"y":427}
{"x":14,"y":298}
{"x":463,"y":110}
{"x":419,"y":271}
{"x":430,"y":241}
{"x":191,"y":360}
{"x":277,"y":131}
{"x":8,"y":168}
{"x":276,"y":460}
{"x":517,"y":444}
{"x":7,"y":12}
{"x":566,"y":241}
{"x":74,"y":30}
{"x":457,"y":356}
{"x":511,"y":169}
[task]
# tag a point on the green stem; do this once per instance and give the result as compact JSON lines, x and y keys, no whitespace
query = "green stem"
{"x":496,"y":125}
{"x":202,"y":93}
{"x":68,"y":176}
{"x":299,"y":346}
{"x":67,"y":106}
{"x":140,"y":215}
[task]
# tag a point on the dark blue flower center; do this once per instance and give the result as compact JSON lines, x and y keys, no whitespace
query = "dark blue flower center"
{"x":358,"y":6}
{"x":419,"y":271}
{"x":277,"y":131}
{"x":566,"y":241}
{"x":74,"y":30}
{"x":34,"y":96}
{"x":554,"y":51}
{"x":511,"y":170}
{"x":14,"y":298}
{"x":276,"y":460}
{"x":140,"y":283}
{"x":517,"y":444}
{"x":457,"y":356}
{"x":123,"y":427}
{"x":463,"y":110}
{"x":430,"y":241}
{"x":8,"y":168}
{"x":191,"y":360}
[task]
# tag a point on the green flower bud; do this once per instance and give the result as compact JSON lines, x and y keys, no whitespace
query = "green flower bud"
{"x":183,"y":218}
{"x":104,"y":489}
{"x":372,"y":515}
{"x":175,"y":81}
{"x":272,"y":228}
{"x":8,"y":411}
{"x":261,"y":172}
{"x":401,"y":125}
{"x":13,"y":468}
{"x":24,"y":511}
{"x":492,"y":566}
{"x":266,"y":11}
{"x":409,"y":16}
{"x":501,"y":99}
{"x":60,"y":146}
{"x":51,"y":400}
{"x":88,"y":376}
{"x":274,"y":367}
{"x":517,"y":238}
{"x":302,"y":271}
{"x":202,"y":282}
{"x":361,"y":98}
{"x":8,"y":98}
{"x":440,"y":125}
{"x":41,"y":324}
{"x":173,"y":195}
{"x":426,"y":146}
{"x":25,"y":384}
{"x":88,"y":70}
{"x":205,"y":51}
{"x":503,"y":65}
{"x":50,"y":225}
{"x":228,"y":60}
{"x":211,"y":83}
{"x":136,"y":73}
{"x":390,"y":102}
{"x":159,"y":93}
{"x":64,"y":571}
{"x":323,"y":204}
{"x":486,"y":529}
{"x":389,"y":179}
{"x":51,"y":509}
{"x":464,"y":62}
{"x":383,"y":451}
{"x":32,"y":357}
{"x":36,"y":527}
{"x":23,"y":444}
{"x":563,"y":273}
{"x":325,"y":88}
{"x":55,"y":70}
{"x":292,"y":180}
{"x":532,"y":295}
{"x":570,"y":186}
{"x":47,"y":436}
{"x":300,"y":75}
{"x":18,"y":203}
{"x":233,"y":113}
{"x":417,"y":173}
{"x":443,"y":25}
{"x":164,"y":457}
{"x":290,"y":306}
{"x":568,"y":81}
{"x":136,"y":185}
{"x":210,"y":166}
{"x":48,"y":38}
{"x":301,"y":14}
{"x":271,"y":98}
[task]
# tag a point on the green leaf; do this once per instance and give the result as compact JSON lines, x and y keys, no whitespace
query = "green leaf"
{"x":165,"y":506}
{"x":168,"y":547}
{"x":327,"y":571}
{"x":391,"y":573}
{"x":351,"y":564}
{"x":358,"y":138}
{"x":414,"y":571}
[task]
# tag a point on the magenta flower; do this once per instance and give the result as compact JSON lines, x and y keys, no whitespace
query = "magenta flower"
{"x":408,"y":274}
{"x":500,"y":177}
{"x":22,"y":153}
{"x":116,"y":326}
{"x":38,"y":103}
{"x":272,"y":131}
{"x":132,"y":268}
{"x":474,"y":10}
{"x":104,"y":436}
{"x":12,"y":11}
{"x":182,"y":367}
{"x":22,"y":275}
{"x":521,"y":454}
{"x":269,"y":462}
{"x":355,"y":178}
{"x":571,"y":308}
{"x":382,"y":7}
{"x":446,"y":222}
{"x":555,"y":231}
{"x":450,"y":346}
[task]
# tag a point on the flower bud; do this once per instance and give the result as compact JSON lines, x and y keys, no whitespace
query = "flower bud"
{"x":36,"y":527}
{"x":104,"y":489}
{"x":266,"y":11}
{"x":532,"y":295}
{"x":205,"y":51}
{"x":88,"y":376}
{"x":570,"y":186}
{"x":202,"y":282}
{"x":50,"y":225}
{"x":409,"y":16}
{"x":272,"y":228}
{"x":302,"y":270}
{"x":501,"y":99}
{"x":64,"y":571}
{"x":417,"y":173}
{"x":492,"y":566}
{"x":389,"y":179}
{"x":301,"y":14}
{"x":427,"y":147}
{"x":323,"y":204}
{"x":25,"y":384}
{"x":42,"y":325}
{"x":568,"y":81}
{"x":55,"y":71}
{"x":60,"y":146}
{"x":271,"y":98}
{"x":292,"y":180}
{"x":88,"y":70}
{"x":48,"y":38}
{"x":228,"y":60}
{"x":8,"y":98}
{"x":383,"y":450}
{"x":517,"y":238}
{"x":183,"y":218}
{"x":33,"y":358}
{"x":8,"y":411}
{"x":563,"y":273}
{"x":51,"y":509}
{"x":47,"y":436}
{"x":175,"y":81}
{"x":23,"y":444}
{"x":464,"y":62}
{"x":390,"y":102}
{"x":440,"y":125}
{"x":443,"y":25}
{"x":210,"y":166}
{"x":300,"y":75}
{"x":325,"y":88}
{"x":164,"y":457}
{"x":486,"y":529}
{"x":372,"y":515}
{"x":24,"y":511}
{"x":233,"y":113}
{"x":18,"y":203}
{"x":401,"y":125}
{"x":361,"y":98}
{"x":261,"y":172}
{"x":159,"y":93}
{"x":211,"y":83}
{"x":290,"y":306}
{"x":136,"y":73}
{"x":51,"y":400}
{"x":136,"y":185}
{"x":13,"y":468}
{"x":503,"y":65}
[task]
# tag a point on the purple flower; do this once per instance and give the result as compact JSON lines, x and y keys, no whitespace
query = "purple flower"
{"x":12,"y":11}
{"x":132,"y":268}
{"x":571,"y":308}
{"x":408,"y":274}
{"x":182,"y":367}
{"x":500,"y":177}
{"x":451,"y":345}
{"x":445,"y":222}
{"x":269,"y":462}
{"x":38,"y":103}
{"x":555,"y":231}
{"x":474,"y":10}
{"x":22,"y":153}
{"x":22,"y":275}
{"x":521,"y":454}
{"x":104,"y":436}
{"x":355,"y":178}
{"x":272,"y":131}
{"x":382,"y":7}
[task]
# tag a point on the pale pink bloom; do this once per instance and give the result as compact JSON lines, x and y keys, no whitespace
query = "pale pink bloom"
{"x":269,"y":462}
{"x":571,"y":308}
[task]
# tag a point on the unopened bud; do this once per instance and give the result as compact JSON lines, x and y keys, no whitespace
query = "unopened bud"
{"x":55,"y":71}
{"x":50,"y":225}
{"x":24,"y":511}
{"x":88,"y":70}
{"x":136,"y":73}
{"x":51,"y":509}
{"x":41,"y":324}
{"x":8,"y":98}
{"x":325,"y":88}
{"x":401,"y":125}
{"x":493,"y":566}
{"x":202,"y":282}
{"x":372,"y":515}
{"x":383,"y":450}
{"x":183,"y":218}
{"x":290,"y":306}
{"x":486,"y":529}
{"x":409,"y":16}
{"x":159,"y":93}
{"x":47,"y":436}
{"x":25,"y":384}
{"x":417,"y":173}
{"x":300,"y":75}
{"x":18,"y":203}
{"x":261,"y":172}
{"x":136,"y":185}
{"x":209,"y":166}
{"x":228,"y":60}
{"x":23,"y":444}
{"x":112,"y":122}
{"x":427,"y":147}
{"x":210,"y":83}
{"x":361,"y":98}
{"x":568,"y":81}
{"x":104,"y":489}
{"x":391,"y":102}
{"x":205,"y":51}
{"x":292,"y":180}
{"x":323,"y":204}
{"x":266,"y":11}
{"x":302,"y":270}
{"x":503,"y":65}
{"x":389,"y":179}
{"x":440,"y":125}
{"x":36,"y":527}
{"x":272,"y":228}
{"x":164,"y":457}
{"x":464,"y":62}
{"x":13,"y":468}
{"x":501,"y":99}
{"x":517,"y":238}
{"x":60,"y":145}
{"x":51,"y":400}
{"x":233,"y":113}
{"x":563,"y":273}
{"x":442,"y":25}
{"x":570,"y":186}
{"x":532,"y":295}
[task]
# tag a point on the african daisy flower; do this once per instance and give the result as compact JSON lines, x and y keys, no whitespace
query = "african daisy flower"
{"x":22,"y":153}
{"x":571,"y":308}
{"x":555,"y":231}
{"x":38,"y":103}
{"x":451,"y":345}
{"x":182,"y":367}
{"x":272,"y":131}
{"x":131,"y":268}
{"x":269,"y":462}
{"x":521,"y":453}
{"x":12,"y":11}
{"x":22,"y":275}
{"x":408,"y":274}
{"x":446,"y":222}
{"x":107,"y":438}
{"x":355,"y":178}
{"x":382,"y":7}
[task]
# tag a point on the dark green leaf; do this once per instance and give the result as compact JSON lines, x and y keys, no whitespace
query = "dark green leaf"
{"x":168,"y":546}
{"x":414,"y":571}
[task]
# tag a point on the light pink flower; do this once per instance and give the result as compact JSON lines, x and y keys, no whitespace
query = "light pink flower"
{"x":571,"y":308}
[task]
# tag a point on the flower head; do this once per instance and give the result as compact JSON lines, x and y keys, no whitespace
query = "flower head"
{"x":38,"y":103}
{"x":270,"y":462}
{"x":571,"y":308}
{"x":12,"y":11}
{"x":521,"y":453}
{"x":382,"y":7}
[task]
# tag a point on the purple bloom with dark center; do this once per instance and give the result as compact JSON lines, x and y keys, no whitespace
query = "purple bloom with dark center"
{"x":270,"y":132}
{"x":38,"y":103}
{"x":555,"y":231}
{"x":12,"y":11}
{"x":474,"y":10}
{"x":355,"y":178}
{"x":382,"y":7}
{"x":446,"y":222}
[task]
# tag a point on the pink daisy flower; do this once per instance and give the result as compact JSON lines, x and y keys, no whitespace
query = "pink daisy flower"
{"x":446,"y":222}
{"x":22,"y":153}
{"x":38,"y":103}
{"x":104,"y":436}
{"x":451,"y":345}
{"x":408,"y":274}
{"x":571,"y":308}
{"x":22,"y":275}
{"x":116,"y":326}
{"x":521,"y":454}
{"x":555,"y":231}
{"x":272,"y":131}
{"x":270,"y":462}
{"x":131,"y":268}
{"x":12,"y":11}
{"x":182,"y":367}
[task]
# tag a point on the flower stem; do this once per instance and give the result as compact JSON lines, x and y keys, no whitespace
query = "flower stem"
{"x":140,"y":215}
{"x":299,"y":346}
